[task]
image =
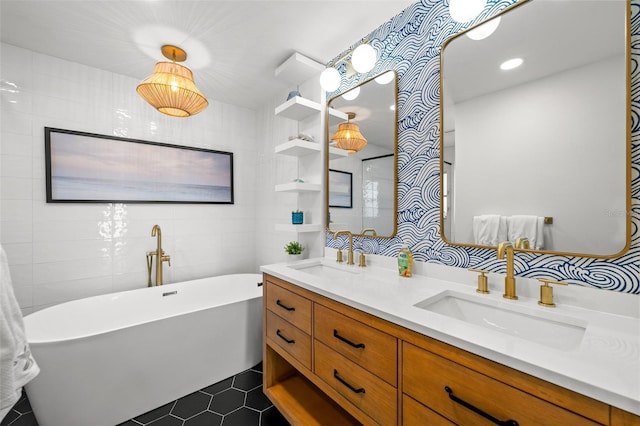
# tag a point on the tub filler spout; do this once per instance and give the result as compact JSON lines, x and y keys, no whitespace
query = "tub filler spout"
{"x":159,"y":254}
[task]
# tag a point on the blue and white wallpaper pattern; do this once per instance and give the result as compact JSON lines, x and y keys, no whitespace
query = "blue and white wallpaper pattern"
{"x":410,"y":44}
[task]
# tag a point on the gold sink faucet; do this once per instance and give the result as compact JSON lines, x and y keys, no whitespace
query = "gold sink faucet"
{"x":371,"y":230}
{"x":505,"y":250}
{"x":160,"y":256}
{"x":350,"y":235}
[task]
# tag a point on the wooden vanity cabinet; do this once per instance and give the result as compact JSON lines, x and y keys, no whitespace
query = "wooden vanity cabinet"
{"x":350,"y":367}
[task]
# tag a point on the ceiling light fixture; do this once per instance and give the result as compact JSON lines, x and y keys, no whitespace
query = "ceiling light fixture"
{"x":348,"y":136}
{"x":465,"y":10}
{"x":351,"y":94}
{"x":511,"y":64}
{"x":485,"y":30}
{"x":171,"y":89}
{"x":385,"y":78}
{"x":361,"y":60}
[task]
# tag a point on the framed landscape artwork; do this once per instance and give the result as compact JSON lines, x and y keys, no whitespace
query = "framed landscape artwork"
{"x":86,"y":167}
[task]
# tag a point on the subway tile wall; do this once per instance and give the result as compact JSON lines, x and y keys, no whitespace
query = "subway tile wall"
{"x":61,"y":252}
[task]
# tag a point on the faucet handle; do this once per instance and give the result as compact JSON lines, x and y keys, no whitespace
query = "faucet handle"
{"x":483,"y":283}
{"x":339,"y":256}
{"x":361,"y":260}
{"x":546,"y":292}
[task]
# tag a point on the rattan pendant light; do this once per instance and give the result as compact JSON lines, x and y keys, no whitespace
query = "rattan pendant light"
{"x":170,"y":89}
{"x":348,"y":136}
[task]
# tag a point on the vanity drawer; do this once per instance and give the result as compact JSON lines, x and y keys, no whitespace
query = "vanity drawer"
{"x":290,"y":338}
{"x":425,"y":376}
{"x":290,"y":306}
{"x":414,"y":413}
{"x":370,"y":394}
{"x":371,"y":349}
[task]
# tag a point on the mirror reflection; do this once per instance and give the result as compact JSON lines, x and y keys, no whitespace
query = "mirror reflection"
{"x":362,"y":171}
{"x":540,"y":150}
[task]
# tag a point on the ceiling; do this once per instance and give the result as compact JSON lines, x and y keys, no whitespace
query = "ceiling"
{"x":233,"y":47}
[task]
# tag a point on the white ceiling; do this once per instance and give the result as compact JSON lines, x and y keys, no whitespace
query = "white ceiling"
{"x":233,"y":46}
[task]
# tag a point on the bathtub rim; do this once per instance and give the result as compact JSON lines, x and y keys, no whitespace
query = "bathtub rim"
{"x":28,"y":320}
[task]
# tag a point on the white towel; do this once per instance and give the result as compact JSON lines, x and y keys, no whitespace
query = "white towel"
{"x":527,"y":226}
{"x":17,"y":366}
{"x":489,"y":229}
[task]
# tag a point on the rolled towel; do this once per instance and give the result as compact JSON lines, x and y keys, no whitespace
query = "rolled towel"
{"x":489,"y":229}
{"x":17,"y":366}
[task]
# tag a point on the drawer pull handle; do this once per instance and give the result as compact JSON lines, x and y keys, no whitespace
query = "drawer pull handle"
{"x":284,"y":338}
{"x":344,"y":382}
{"x":347,"y":341}
{"x":279,"y":303}
{"x":479,"y":411}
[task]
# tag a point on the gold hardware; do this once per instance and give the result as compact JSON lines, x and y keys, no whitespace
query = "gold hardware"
{"x":548,"y":220}
{"x":339,"y":256}
{"x":483,"y":282}
{"x":373,"y":232}
{"x":149,"y":267}
{"x":505,"y":250}
{"x":350,"y":254}
{"x":160,"y":256}
{"x":361,"y":260}
{"x":546,"y":292}
{"x":522,"y":243}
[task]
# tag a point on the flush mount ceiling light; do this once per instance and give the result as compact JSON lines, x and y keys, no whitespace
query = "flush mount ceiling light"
{"x":485,"y":30}
{"x":170,"y":89}
{"x":348,"y":136}
{"x":465,"y":10}
{"x":360,"y":60}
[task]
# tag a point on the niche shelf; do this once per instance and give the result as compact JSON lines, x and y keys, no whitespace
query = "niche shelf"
{"x":298,"y":108}
{"x":309,"y":227}
{"x":301,"y":148}
{"x":298,"y":187}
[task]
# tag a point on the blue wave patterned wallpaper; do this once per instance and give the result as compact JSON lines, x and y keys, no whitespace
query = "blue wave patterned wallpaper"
{"x":410,"y":44}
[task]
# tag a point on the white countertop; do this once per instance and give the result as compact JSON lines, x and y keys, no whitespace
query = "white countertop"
{"x":604,"y":365}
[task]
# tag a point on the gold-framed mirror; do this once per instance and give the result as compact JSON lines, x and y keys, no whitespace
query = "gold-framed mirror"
{"x":362,"y":194}
{"x":543,"y":150}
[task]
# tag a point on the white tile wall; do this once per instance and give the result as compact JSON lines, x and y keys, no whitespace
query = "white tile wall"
{"x":60,"y":252}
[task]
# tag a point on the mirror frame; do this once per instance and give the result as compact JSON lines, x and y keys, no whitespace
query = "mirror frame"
{"x":628,"y":212}
{"x":395,"y":156}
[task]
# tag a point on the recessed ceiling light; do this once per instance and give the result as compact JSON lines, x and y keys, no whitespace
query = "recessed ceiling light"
{"x":511,"y":64}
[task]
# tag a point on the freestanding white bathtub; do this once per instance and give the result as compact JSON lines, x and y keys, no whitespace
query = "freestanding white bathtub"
{"x":109,"y":358}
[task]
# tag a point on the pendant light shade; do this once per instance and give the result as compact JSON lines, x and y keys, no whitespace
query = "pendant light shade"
{"x":348,"y":136}
{"x":171,"y":89}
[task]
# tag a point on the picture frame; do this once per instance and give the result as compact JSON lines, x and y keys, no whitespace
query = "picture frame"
{"x":91,"y":168}
{"x":340,"y":189}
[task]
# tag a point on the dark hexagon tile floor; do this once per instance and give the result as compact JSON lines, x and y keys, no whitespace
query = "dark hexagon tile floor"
{"x":236,"y":401}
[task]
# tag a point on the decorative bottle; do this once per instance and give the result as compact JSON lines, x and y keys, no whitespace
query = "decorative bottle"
{"x":405,"y":261}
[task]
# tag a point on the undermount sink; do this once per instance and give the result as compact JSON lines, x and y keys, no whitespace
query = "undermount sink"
{"x":324,"y":270}
{"x":547,"y":328}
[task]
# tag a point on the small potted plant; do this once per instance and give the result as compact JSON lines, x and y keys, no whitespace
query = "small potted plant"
{"x":294,"y":249}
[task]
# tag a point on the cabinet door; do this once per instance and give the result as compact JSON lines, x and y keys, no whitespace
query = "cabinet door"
{"x":368,"y":347}
{"x":426,"y":377}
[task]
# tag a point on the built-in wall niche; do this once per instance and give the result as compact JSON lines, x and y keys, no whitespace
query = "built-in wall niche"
{"x":529,"y":140}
